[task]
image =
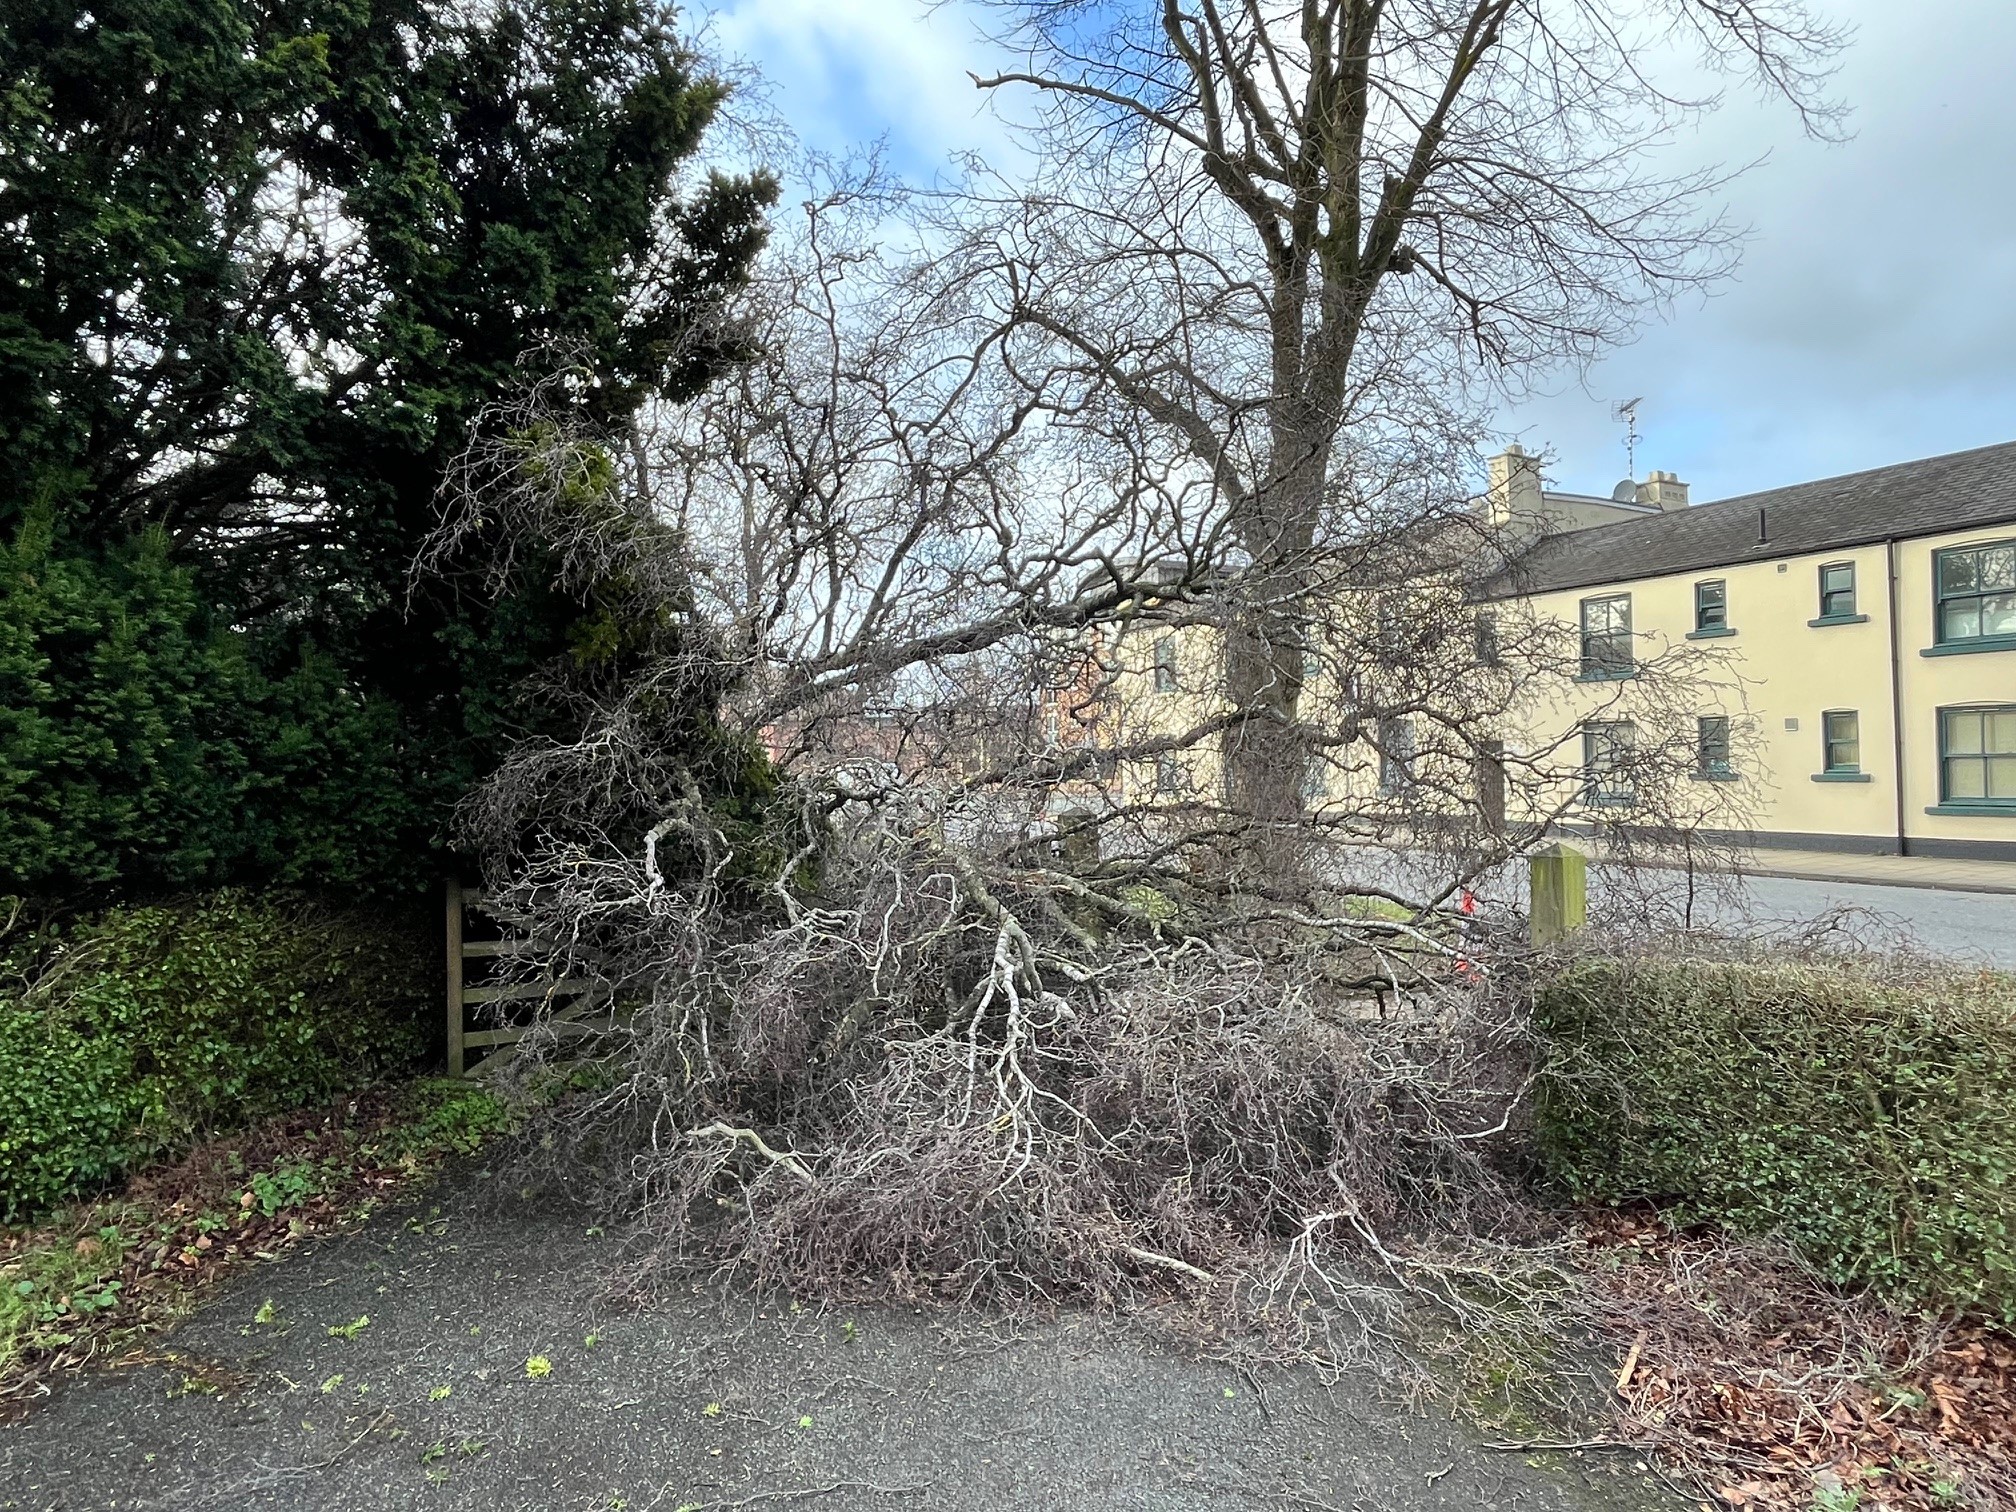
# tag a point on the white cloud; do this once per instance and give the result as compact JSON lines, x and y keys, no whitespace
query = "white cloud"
{"x":1872,"y":320}
{"x":844,"y":73}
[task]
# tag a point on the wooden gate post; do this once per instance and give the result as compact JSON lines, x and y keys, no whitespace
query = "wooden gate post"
{"x":1560,"y":893}
{"x":456,"y":1064}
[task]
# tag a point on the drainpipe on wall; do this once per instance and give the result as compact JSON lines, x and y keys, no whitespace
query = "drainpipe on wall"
{"x":1896,"y":695}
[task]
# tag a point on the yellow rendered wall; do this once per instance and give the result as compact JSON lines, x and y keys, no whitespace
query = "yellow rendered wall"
{"x":1779,"y":668}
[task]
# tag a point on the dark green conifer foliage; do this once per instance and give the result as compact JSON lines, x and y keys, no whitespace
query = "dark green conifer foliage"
{"x":261,"y":263}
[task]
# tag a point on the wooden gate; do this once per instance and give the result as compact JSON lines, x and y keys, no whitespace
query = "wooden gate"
{"x":513,"y":1009}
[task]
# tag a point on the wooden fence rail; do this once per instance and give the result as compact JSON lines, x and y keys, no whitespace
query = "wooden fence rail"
{"x":560,"y":1006}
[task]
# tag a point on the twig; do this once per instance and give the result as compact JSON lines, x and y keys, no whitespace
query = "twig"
{"x":1169,"y":1262}
{"x":756,"y":1142}
{"x":1524,"y":1445}
{"x":826,"y":1490}
{"x":1631,"y":1361}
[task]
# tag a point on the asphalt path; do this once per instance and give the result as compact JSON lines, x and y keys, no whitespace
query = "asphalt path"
{"x":704,"y":1402}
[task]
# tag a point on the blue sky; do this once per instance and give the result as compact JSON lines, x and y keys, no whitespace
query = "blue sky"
{"x":1873,"y":319}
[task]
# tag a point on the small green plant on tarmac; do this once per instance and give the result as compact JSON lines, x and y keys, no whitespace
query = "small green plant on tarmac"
{"x":537,"y":1366}
{"x":351,"y":1329}
{"x":440,"y":1393}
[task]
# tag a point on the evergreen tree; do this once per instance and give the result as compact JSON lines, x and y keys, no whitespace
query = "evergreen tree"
{"x":263,"y":263}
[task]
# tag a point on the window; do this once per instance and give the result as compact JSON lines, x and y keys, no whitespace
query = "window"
{"x":1165,"y":664}
{"x":1169,"y":773}
{"x":1711,"y":604}
{"x":1842,"y":737}
{"x":1488,"y":652}
{"x":1315,"y":777}
{"x":1396,"y":754}
{"x":1977,"y":755}
{"x":1606,"y":637}
{"x":1977,"y":592}
{"x":1837,"y":591}
{"x":1389,"y":631}
{"x":1711,"y":744}
{"x":1606,"y":762}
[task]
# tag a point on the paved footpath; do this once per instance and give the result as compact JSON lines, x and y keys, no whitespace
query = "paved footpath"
{"x":693,"y":1404}
{"x":1883,"y":871}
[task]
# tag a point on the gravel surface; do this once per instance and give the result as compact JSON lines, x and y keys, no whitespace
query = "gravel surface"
{"x":699,"y":1403}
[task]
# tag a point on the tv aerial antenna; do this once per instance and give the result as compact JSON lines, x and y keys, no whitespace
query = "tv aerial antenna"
{"x":1626,"y":415}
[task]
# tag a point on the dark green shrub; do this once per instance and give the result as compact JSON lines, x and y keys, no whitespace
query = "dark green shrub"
{"x":142,"y":1030}
{"x":1866,"y":1113}
{"x":143,"y":746}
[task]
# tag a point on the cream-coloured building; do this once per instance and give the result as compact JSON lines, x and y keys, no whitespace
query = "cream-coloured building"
{"x":1830,"y":666}
{"x":1862,"y":692}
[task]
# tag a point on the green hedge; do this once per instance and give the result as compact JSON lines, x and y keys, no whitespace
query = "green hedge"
{"x":1864,"y":1112}
{"x":132,"y":1034}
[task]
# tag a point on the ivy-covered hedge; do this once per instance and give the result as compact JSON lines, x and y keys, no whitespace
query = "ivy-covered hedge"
{"x":132,"y":1034}
{"x":1864,"y":1112}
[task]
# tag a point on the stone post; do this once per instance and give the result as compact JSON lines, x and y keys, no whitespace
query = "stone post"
{"x":1560,"y":893}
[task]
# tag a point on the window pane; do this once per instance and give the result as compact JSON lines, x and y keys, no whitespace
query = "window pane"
{"x":1710,"y":602}
{"x":2002,"y":731}
{"x":1834,"y":579}
{"x":1714,"y":742}
{"x":1963,"y":732}
{"x":1998,"y":614}
{"x":1960,"y":620}
{"x":1965,"y":777}
{"x":2002,"y":777}
{"x":1998,"y":567}
{"x":1956,"y":572}
{"x":1607,"y":616}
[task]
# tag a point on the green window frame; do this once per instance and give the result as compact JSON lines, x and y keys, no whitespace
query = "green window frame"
{"x":1166,"y":680}
{"x":1711,"y":746}
{"x":1607,"y":649}
{"x":1977,"y":756}
{"x":1841,"y":742}
{"x":1489,"y":652}
{"x":1711,"y":604}
{"x":1837,"y":590}
{"x":1975,"y":589}
{"x":1396,"y":754}
{"x":1315,"y":777}
{"x":1607,"y":746}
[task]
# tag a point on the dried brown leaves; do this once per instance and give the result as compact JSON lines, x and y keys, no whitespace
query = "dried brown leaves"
{"x":1779,"y":1392}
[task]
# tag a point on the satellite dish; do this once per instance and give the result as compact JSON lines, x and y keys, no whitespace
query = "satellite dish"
{"x":1625,"y":492}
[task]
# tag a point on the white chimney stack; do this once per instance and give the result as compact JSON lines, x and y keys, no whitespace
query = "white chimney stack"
{"x":1663,"y":490}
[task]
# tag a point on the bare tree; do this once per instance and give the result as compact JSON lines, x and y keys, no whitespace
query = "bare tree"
{"x":1096,"y":559}
{"x":1282,"y":250}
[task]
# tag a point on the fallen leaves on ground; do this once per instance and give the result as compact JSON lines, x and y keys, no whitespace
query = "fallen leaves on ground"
{"x":111,"y":1271}
{"x":1780,"y":1392}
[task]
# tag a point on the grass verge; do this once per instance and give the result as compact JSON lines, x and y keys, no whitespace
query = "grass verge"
{"x":92,"y":1281}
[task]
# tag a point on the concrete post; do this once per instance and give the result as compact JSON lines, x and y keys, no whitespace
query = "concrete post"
{"x":1560,"y":893}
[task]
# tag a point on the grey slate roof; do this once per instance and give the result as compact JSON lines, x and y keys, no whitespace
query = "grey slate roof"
{"x":1958,"y":491}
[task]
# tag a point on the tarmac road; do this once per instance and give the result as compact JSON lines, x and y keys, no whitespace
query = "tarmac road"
{"x":699,"y":1404}
{"x":1966,"y":926}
